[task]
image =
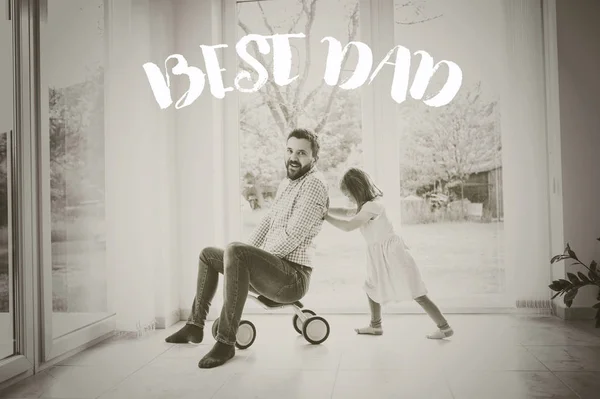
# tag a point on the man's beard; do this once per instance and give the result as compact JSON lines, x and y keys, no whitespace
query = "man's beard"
{"x":298,"y":172}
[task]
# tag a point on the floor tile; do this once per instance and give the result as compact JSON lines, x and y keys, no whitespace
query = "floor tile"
{"x":173,"y":378}
{"x":586,"y":384}
{"x":509,"y":384}
{"x":83,"y":382}
{"x":277,"y":384}
{"x":568,"y":358}
{"x":490,"y":356}
{"x":390,"y":384}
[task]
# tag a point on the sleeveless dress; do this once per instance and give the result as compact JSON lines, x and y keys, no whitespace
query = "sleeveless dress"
{"x":392,"y":273}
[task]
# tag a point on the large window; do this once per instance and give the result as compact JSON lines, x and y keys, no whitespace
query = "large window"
{"x":451,"y":206}
{"x":6,"y":129}
{"x":266,"y":117}
{"x":73,"y":52}
{"x":451,"y":157}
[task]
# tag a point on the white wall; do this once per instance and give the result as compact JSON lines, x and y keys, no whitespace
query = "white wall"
{"x":162,"y":37}
{"x":579,"y":85}
{"x":524,"y":156}
{"x":198,"y":137}
{"x":141,"y":153}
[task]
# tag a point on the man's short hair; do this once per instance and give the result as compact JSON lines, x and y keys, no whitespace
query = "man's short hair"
{"x":309,"y":135}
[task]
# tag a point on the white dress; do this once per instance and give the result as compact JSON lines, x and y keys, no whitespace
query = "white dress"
{"x":392,"y":273}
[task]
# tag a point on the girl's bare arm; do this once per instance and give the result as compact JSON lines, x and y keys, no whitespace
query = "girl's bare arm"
{"x":341,"y":211}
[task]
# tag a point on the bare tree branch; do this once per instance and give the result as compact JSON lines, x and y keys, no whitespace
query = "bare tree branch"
{"x":264,"y":18}
{"x":419,"y":7}
{"x":352,"y":34}
{"x":286,"y":104}
{"x":310,"y":12}
{"x":281,"y":102}
{"x":295,"y":22}
{"x":246,"y":110}
{"x":280,"y":119}
{"x":420,"y":21}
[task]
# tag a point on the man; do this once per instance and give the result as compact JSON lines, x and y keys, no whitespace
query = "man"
{"x":277,"y":262}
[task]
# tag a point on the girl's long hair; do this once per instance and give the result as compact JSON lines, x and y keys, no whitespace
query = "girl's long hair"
{"x":360,"y":186}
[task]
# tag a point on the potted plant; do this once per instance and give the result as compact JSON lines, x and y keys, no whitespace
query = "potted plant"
{"x":569,"y":288}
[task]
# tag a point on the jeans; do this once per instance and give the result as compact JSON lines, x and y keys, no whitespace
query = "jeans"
{"x":245,"y":268}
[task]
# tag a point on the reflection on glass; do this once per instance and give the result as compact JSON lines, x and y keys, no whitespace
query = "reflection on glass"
{"x":74,"y":73}
{"x":6,"y":125}
{"x":450,"y":157}
{"x":6,"y":274}
{"x":267,"y":117}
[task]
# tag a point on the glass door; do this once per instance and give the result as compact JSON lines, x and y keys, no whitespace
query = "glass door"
{"x":265,"y":120}
{"x":13,"y":360}
{"x":75,"y":278}
{"x":6,"y":127}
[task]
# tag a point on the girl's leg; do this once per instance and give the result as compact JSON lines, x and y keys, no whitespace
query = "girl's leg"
{"x":444,"y":329}
{"x":375,"y":327}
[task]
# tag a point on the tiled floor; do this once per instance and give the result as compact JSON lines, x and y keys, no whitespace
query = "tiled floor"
{"x":491,"y":356}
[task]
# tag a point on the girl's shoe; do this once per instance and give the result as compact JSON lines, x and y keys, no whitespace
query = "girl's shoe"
{"x":442,"y":333}
{"x":369,"y":330}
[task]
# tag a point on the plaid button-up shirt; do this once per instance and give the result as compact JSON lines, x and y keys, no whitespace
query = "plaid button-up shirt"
{"x":295,"y":219}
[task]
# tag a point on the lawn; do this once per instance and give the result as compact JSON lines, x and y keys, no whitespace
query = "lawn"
{"x":460,"y":259}
{"x":463,"y":260}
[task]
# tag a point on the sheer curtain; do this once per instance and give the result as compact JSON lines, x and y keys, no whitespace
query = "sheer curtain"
{"x":525,"y":157}
{"x":164,"y":167}
{"x":139,"y":167}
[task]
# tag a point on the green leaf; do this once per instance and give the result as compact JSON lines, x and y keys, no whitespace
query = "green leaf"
{"x":594,"y":273}
{"x":573,"y":278}
{"x":598,"y":319}
{"x":555,"y":286}
{"x":558,"y":258}
{"x":568,"y":303}
{"x":571,"y":294}
{"x":569,"y":297}
{"x":555,"y":295}
{"x":583,"y":277}
{"x":559,"y":285}
{"x":596,"y":306}
{"x":570,"y":252}
{"x":566,"y":285}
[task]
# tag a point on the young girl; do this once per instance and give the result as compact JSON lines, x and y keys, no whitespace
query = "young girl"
{"x":392,"y":272}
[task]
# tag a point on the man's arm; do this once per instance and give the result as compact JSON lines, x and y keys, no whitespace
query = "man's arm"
{"x":260,"y":232}
{"x":310,"y":209}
